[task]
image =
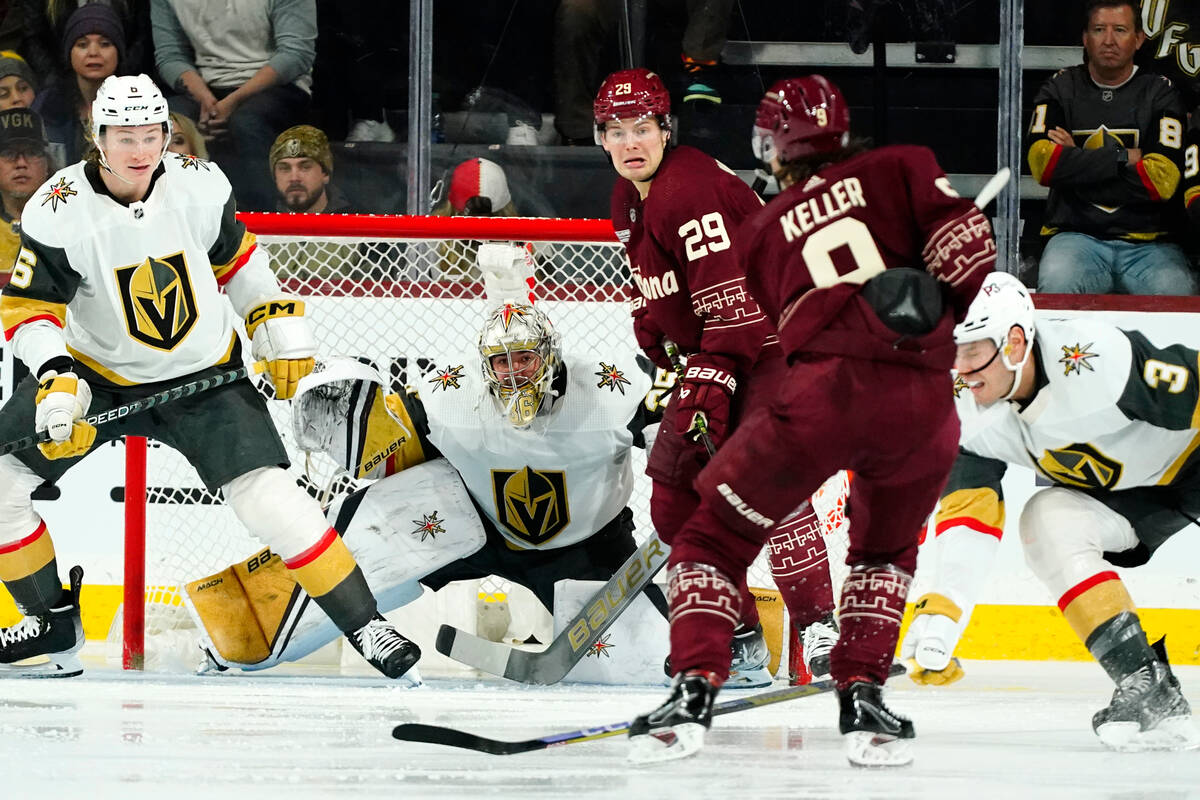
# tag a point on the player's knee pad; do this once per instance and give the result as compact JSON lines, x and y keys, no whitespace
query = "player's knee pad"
{"x":276,"y":510}
{"x":18,"y":518}
{"x":1065,"y":534}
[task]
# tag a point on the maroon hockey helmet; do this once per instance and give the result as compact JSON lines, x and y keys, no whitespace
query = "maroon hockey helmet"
{"x":799,"y":117}
{"x":632,"y":94}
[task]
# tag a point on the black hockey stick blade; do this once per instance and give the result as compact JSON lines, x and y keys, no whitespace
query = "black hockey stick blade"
{"x":552,"y":664}
{"x":450,"y":737}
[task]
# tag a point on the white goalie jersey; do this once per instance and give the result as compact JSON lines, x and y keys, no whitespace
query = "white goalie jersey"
{"x":559,"y":480}
{"x":142,"y":282}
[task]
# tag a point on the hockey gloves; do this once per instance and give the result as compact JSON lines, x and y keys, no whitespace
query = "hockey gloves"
{"x":931,"y":639}
{"x":281,"y":336}
{"x":704,"y":397}
{"x":649,"y":338}
{"x":62,"y":401}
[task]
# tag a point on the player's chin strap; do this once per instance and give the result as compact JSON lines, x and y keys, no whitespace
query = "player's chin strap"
{"x":1017,"y":369}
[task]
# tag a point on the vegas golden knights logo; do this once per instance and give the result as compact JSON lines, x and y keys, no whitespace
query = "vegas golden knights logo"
{"x":1080,"y":465}
{"x":160,"y":306}
{"x":531,"y":503}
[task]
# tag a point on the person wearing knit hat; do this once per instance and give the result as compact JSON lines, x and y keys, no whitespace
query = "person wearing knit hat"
{"x":18,"y":88}
{"x":93,"y":47}
{"x":302,"y":165}
{"x":24,"y":166}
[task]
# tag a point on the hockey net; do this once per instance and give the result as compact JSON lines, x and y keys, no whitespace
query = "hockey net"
{"x":404,"y":293}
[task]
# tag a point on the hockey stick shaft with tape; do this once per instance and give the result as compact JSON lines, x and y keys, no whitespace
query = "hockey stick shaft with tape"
{"x":144,"y":404}
{"x":552,"y":664}
{"x":450,"y":737}
{"x":672,"y":351}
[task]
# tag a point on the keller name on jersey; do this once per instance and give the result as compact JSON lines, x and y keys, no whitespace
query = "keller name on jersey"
{"x":812,"y":212}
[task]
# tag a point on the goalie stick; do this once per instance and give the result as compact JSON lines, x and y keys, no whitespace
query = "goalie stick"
{"x":450,"y":737}
{"x":137,"y":406}
{"x":552,"y":664}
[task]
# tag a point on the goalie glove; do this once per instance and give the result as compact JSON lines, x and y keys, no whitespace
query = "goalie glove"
{"x":281,"y":336}
{"x":704,"y":397}
{"x":62,"y":401}
{"x":931,"y":639}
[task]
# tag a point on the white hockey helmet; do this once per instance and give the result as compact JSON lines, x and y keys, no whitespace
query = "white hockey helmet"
{"x":513,"y":328}
{"x":129,"y":100}
{"x":1002,"y":302}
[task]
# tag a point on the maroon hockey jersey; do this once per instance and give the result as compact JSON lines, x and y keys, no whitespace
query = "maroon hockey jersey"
{"x":808,"y":252}
{"x":685,"y":273}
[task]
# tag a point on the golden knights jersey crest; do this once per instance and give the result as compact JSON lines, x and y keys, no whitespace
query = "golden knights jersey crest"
{"x":158,"y":300}
{"x":531,"y":503}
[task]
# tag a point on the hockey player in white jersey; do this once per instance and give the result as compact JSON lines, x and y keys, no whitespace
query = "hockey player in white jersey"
{"x":519,"y":466}
{"x":116,"y":295}
{"x":1111,"y":420}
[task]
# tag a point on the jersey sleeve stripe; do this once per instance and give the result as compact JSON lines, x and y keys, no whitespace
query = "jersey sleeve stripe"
{"x":1183,"y":458}
{"x":226,"y":271}
{"x":1159,"y":176}
{"x":18,"y":311}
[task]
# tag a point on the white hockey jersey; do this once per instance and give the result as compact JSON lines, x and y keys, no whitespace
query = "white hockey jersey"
{"x":136,"y":288}
{"x":561,"y":479}
{"x":1115,"y":411}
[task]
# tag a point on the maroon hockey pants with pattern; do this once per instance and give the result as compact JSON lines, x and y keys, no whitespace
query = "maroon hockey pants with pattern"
{"x":895,"y":426}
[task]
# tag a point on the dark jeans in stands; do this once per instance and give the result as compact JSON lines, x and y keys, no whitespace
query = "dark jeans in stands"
{"x":242,"y":151}
{"x":582,"y":28}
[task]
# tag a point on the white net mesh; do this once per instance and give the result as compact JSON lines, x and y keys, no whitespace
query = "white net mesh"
{"x":406,"y":304}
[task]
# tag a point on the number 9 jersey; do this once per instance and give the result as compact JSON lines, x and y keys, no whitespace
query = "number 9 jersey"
{"x":809,"y":251}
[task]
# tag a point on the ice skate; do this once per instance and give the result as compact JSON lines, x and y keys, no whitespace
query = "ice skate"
{"x":873,"y":734}
{"x":50,"y":641}
{"x":817,"y":641}
{"x":384,"y":648}
{"x":749,"y":668}
{"x":1148,"y":712}
{"x":676,"y":728}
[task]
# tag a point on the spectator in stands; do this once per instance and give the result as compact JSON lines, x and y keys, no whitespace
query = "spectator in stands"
{"x":185,"y":138}
{"x":45,"y":23}
{"x":477,"y":188}
{"x":24,"y":166}
{"x":246,"y":74}
{"x":1107,"y":138}
{"x":93,"y":47}
{"x":18,"y":87}
{"x":302,"y":165}
{"x":581,"y":30}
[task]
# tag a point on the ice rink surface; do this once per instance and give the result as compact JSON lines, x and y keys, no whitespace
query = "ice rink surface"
{"x":1008,"y":730}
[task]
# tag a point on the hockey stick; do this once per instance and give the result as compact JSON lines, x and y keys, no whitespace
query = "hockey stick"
{"x":144,"y":404}
{"x":552,"y":664}
{"x":672,"y":351}
{"x":436,"y":734}
{"x":993,"y":187}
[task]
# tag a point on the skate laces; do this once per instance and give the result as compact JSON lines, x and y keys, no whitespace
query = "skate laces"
{"x":378,"y":640}
{"x":819,"y":640}
{"x":28,"y":628}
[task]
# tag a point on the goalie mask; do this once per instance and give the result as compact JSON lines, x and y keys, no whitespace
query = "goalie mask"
{"x":342,"y":409}
{"x":520,"y":356}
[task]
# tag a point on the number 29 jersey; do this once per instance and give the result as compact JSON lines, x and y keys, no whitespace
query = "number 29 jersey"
{"x":807,"y":253}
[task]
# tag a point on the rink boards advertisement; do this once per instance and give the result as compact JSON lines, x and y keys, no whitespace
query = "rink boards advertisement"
{"x":1016,"y":617}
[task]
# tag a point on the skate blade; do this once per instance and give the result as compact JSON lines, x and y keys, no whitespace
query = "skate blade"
{"x":1173,"y":733}
{"x":670,"y":745}
{"x":867,"y":749}
{"x":61,"y":665}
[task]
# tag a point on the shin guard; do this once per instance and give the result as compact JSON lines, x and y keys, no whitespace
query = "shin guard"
{"x":705,"y":607}
{"x":331,"y":576}
{"x":872,"y":606}
{"x":30,"y":572}
{"x":800,"y":566}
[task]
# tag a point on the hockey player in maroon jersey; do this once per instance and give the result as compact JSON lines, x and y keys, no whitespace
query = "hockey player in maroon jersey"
{"x":676,"y":209}
{"x":863,"y":263}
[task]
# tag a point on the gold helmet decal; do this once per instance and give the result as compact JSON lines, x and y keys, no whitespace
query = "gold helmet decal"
{"x":158,"y":300}
{"x":530,"y":503}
